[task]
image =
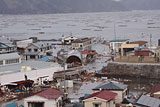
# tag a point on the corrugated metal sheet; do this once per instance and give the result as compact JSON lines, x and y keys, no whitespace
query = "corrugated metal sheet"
{"x":9,"y":56}
{"x":148,"y":101}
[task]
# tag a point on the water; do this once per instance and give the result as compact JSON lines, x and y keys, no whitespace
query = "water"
{"x":133,"y":25}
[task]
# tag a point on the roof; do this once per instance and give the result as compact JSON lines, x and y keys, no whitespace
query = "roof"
{"x":40,"y":44}
{"x":9,"y":56}
{"x":148,"y":101}
{"x":46,"y":58}
{"x":3,"y":45}
{"x":86,"y":88}
{"x":156,"y":88}
{"x":106,"y":95}
{"x":33,"y":64}
{"x":111,"y":85}
{"x":89,"y":52}
{"x":141,"y":43}
{"x":11,"y":105}
{"x":48,"y":93}
{"x":81,"y":40}
{"x":119,"y":40}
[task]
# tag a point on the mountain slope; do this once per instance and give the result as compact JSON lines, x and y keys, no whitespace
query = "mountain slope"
{"x":58,"y":6}
{"x":66,"y":6}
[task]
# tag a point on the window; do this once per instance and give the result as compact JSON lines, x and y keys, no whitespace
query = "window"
{"x":1,"y":62}
{"x":108,"y":104}
{"x":32,"y":57}
{"x":96,"y":105}
{"x":35,"y":104}
{"x":35,"y":50}
{"x":29,"y":50}
{"x":11,"y":61}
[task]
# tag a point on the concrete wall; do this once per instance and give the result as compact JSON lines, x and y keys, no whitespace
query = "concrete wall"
{"x":136,"y":59}
{"x":135,"y":69}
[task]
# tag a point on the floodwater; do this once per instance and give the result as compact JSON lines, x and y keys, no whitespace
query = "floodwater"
{"x":133,"y":25}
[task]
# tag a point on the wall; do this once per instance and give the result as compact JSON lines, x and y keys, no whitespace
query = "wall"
{"x":33,"y":75}
{"x":47,"y":103}
{"x":134,"y":69}
{"x":91,"y":101}
{"x":136,"y":59}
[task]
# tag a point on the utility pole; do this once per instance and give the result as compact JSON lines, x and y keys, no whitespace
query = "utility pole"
{"x":150,"y":40}
{"x":115,"y":31}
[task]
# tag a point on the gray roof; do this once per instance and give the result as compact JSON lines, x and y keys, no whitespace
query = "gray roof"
{"x":9,"y":56}
{"x":86,"y":88}
{"x":42,"y":44}
{"x":5,"y":45}
{"x":148,"y":101}
{"x":111,"y":85}
{"x":32,"y":64}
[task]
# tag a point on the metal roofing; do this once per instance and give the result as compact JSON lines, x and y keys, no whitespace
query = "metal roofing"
{"x":9,"y":56}
{"x":12,"y":105}
{"x":42,"y":44}
{"x":86,"y":88}
{"x":156,"y":88}
{"x":148,"y":101}
{"x":119,"y":40}
{"x":106,"y":95}
{"x":49,"y":93}
{"x":111,"y":85}
{"x":32,"y":64}
{"x":46,"y":58}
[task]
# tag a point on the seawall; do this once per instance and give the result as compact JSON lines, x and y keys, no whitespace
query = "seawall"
{"x":134,"y":69}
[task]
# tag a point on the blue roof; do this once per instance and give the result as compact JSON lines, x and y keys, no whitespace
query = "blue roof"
{"x":141,"y":47}
{"x":12,"y":105}
{"x":46,"y":58}
{"x":119,"y":40}
{"x":86,"y":95}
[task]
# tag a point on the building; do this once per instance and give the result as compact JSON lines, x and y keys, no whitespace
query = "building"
{"x":101,"y":99}
{"x":9,"y":58}
{"x":46,"y":98}
{"x":147,"y":101}
{"x":32,"y":69}
{"x":85,"y":89}
{"x":7,"y":48}
{"x":22,"y":44}
{"x":156,"y":91}
{"x":126,"y":49}
{"x":68,"y":40}
{"x":82,"y":44}
{"x":116,"y":87}
{"x":115,"y":45}
{"x":89,"y":56}
{"x":37,"y":50}
{"x":143,"y":53}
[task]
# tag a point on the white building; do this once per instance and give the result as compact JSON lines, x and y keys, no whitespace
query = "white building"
{"x":37,"y":50}
{"x":82,"y":44}
{"x":68,"y":40}
{"x":115,"y":45}
{"x":46,"y":98}
{"x":9,"y":58}
{"x":33,"y":70}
